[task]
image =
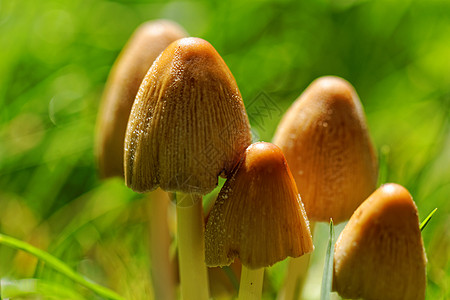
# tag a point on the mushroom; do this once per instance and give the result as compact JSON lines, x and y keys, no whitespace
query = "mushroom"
{"x":258,"y":217}
{"x":144,"y":46}
{"x":146,"y":43}
{"x":326,"y":142}
{"x":380,"y":253}
{"x":188,"y":125}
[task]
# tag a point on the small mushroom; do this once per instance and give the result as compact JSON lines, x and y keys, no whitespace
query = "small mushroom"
{"x":258,"y":217}
{"x":146,"y":43}
{"x":326,"y":142}
{"x":187,"y":126}
{"x":380,"y":253}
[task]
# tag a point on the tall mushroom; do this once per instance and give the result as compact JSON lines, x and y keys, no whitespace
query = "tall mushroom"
{"x":380,"y":253}
{"x":144,"y":46}
{"x":257,"y":217}
{"x":326,"y":142}
{"x":188,"y":125}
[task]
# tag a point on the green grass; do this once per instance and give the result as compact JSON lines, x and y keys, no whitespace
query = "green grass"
{"x":57,"y":265}
{"x":327,"y":278}
{"x":55,"y":58}
{"x":425,"y":222}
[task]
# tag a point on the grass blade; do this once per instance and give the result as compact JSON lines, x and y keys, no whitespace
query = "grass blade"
{"x":232,"y":277}
{"x":59,"y":266}
{"x":13,"y":289}
{"x":427,"y":219}
{"x":327,"y":278}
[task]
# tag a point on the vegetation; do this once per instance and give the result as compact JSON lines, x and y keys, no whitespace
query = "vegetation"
{"x":56,"y":56}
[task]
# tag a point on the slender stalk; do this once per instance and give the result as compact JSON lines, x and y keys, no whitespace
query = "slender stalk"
{"x":162,"y":268}
{"x":296,"y":275}
{"x":191,"y":247}
{"x":251,"y":283}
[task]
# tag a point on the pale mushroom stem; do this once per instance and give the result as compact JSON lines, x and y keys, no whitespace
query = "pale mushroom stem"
{"x":296,"y":275}
{"x":251,"y":283}
{"x":162,"y":267}
{"x":191,"y":247}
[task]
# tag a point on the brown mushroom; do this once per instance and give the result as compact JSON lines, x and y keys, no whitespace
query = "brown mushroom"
{"x":258,"y":217}
{"x":146,"y":43}
{"x":325,"y":140}
{"x":188,"y":125}
{"x":380,"y":253}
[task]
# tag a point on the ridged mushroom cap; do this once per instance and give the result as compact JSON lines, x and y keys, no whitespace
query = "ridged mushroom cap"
{"x":188,"y":124}
{"x":258,"y":215}
{"x":325,"y":139}
{"x":144,"y":46}
{"x":380,"y":253}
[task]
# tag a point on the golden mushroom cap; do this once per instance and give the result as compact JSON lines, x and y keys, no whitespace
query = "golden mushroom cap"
{"x":380,"y":253}
{"x":188,"y":124}
{"x":325,"y":139}
{"x":144,"y":46}
{"x":258,"y":215}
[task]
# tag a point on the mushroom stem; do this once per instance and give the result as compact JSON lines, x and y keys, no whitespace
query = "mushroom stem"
{"x":190,"y":226}
{"x":296,"y":275}
{"x":162,"y":268}
{"x":251,"y":283}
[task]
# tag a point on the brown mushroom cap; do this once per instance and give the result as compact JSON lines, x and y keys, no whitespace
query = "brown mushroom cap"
{"x":327,"y":145}
{"x":380,"y":253}
{"x":146,"y":43}
{"x":258,"y":215}
{"x":188,"y":123}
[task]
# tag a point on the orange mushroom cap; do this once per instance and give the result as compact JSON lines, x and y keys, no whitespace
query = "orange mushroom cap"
{"x":325,"y":139}
{"x":258,"y":215}
{"x":380,"y":253}
{"x":188,"y":124}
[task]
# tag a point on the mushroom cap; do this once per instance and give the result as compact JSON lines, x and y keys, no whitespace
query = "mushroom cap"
{"x":188,"y":124}
{"x":327,"y":145}
{"x":258,"y":215}
{"x":380,"y":253}
{"x":144,"y":46}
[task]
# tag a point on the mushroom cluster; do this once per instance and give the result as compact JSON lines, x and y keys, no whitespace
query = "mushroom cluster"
{"x":184,"y":124}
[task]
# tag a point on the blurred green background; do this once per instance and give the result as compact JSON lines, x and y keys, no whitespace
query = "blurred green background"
{"x":54,"y":60}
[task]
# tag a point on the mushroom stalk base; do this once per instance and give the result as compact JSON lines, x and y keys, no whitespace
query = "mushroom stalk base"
{"x":251,"y":283}
{"x":296,"y":275}
{"x":162,"y":268}
{"x":191,"y":247}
